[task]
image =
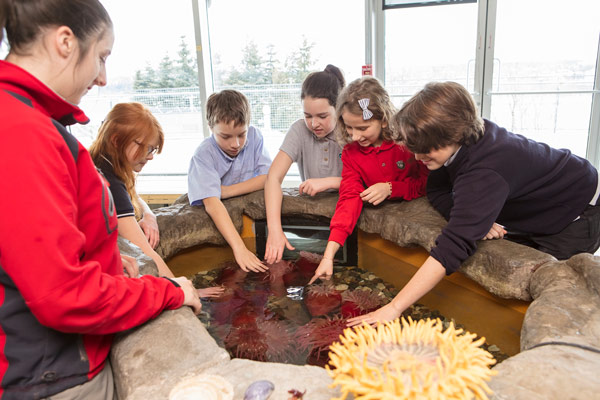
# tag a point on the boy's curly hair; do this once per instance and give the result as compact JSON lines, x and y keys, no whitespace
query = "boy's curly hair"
{"x":441,"y":114}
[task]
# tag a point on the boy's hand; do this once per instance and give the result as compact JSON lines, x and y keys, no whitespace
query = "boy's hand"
{"x":190,"y":295}
{"x":276,"y":241}
{"x":150,"y":227}
{"x":312,"y":186}
{"x":248,"y":261}
{"x":383,"y":314}
{"x":376,"y":193}
{"x":324,"y":270}
{"x":496,"y":232}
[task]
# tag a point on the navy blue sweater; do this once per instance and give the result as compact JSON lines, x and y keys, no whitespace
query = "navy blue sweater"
{"x":506,"y":178}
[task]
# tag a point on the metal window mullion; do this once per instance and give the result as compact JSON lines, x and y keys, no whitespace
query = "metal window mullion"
{"x":205,"y":80}
{"x":484,"y":65}
{"x":593,"y":146}
{"x":378,"y":45}
{"x":368,"y":32}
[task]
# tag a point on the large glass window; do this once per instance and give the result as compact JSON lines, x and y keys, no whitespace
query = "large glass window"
{"x":423,"y":44}
{"x":154,"y":62}
{"x":545,"y":61}
{"x":266,"y":48}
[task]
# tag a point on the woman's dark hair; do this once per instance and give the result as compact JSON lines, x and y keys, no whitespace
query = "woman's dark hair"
{"x":24,"y":21}
{"x":441,"y":114}
{"x":325,"y":84}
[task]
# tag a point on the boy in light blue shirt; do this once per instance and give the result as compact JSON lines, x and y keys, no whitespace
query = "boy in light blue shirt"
{"x":231,"y":162}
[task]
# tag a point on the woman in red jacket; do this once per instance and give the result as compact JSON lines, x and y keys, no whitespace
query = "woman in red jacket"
{"x":375,"y":167}
{"x":63,"y":293}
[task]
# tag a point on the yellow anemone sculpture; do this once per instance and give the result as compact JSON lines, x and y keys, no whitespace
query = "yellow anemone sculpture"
{"x":410,"y":360}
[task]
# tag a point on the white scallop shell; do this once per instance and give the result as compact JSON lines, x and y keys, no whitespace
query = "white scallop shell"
{"x":202,"y":387}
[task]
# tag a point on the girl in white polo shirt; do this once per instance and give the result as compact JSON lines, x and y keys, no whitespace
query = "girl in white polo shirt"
{"x":311,"y":144}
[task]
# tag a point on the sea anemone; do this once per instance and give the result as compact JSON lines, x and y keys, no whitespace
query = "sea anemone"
{"x":317,"y":335}
{"x":246,"y":342}
{"x":410,"y":360}
{"x":280,"y":344}
{"x":278,"y":269}
{"x":322,"y":299}
{"x":307,"y":263}
{"x":357,"y":302}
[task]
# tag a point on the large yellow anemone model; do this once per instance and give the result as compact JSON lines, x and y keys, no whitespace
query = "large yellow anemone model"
{"x":410,"y":360}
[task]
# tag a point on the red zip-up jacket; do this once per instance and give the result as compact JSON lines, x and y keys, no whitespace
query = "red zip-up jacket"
{"x":62,"y":289}
{"x":366,"y":166}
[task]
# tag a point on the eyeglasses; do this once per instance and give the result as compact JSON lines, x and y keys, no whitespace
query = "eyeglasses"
{"x":151,"y":149}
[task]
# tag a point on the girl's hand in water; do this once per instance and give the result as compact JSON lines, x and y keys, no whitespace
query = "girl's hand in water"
{"x":214,"y":291}
{"x":324,"y":270}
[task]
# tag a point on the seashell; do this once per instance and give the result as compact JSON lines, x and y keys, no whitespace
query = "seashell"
{"x":202,"y":387}
{"x":259,"y":390}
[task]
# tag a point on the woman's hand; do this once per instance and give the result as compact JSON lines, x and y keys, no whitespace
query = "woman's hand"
{"x":496,"y":232}
{"x":324,"y":270}
{"x":383,"y":314}
{"x":276,"y":241}
{"x":313,"y":186}
{"x":248,"y":261}
{"x":190,"y":295}
{"x":150,"y":227}
{"x":132,"y":269}
{"x":214,"y":291}
{"x":376,"y":193}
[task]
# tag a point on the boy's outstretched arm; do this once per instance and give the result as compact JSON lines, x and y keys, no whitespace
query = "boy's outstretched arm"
{"x":249,"y":186}
{"x":425,"y":279}
{"x":244,"y":257}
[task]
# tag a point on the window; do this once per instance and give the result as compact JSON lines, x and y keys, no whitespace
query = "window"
{"x":530,"y":65}
{"x":266,"y":47}
{"x":545,"y":61}
{"x":153,"y":62}
{"x":424,"y":44}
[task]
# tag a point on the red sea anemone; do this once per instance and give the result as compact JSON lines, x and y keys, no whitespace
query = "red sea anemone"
{"x":317,"y":335}
{"x":359,"y":301}
{"x":246,"y":342}
{"x":280,"y":342}
{"x":322,"y":299}
{"x":308,"y":263}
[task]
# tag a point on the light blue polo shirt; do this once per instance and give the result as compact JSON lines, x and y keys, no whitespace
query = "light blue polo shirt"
{"x":211,"y":167}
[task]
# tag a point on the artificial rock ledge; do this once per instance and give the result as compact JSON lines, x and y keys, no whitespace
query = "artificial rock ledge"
{"x":560,"y":331}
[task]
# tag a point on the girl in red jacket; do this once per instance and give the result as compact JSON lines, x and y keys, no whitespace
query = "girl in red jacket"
{"x":63,"y":293}
{"x":375,"y":167}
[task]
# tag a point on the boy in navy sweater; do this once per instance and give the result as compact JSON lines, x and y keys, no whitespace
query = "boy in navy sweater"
{"x":488,"y":183}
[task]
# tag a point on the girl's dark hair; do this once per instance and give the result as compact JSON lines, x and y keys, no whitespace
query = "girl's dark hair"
{"x":325,"y":84}
{"x":441,"y":114}
{"x":24,"y":21}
